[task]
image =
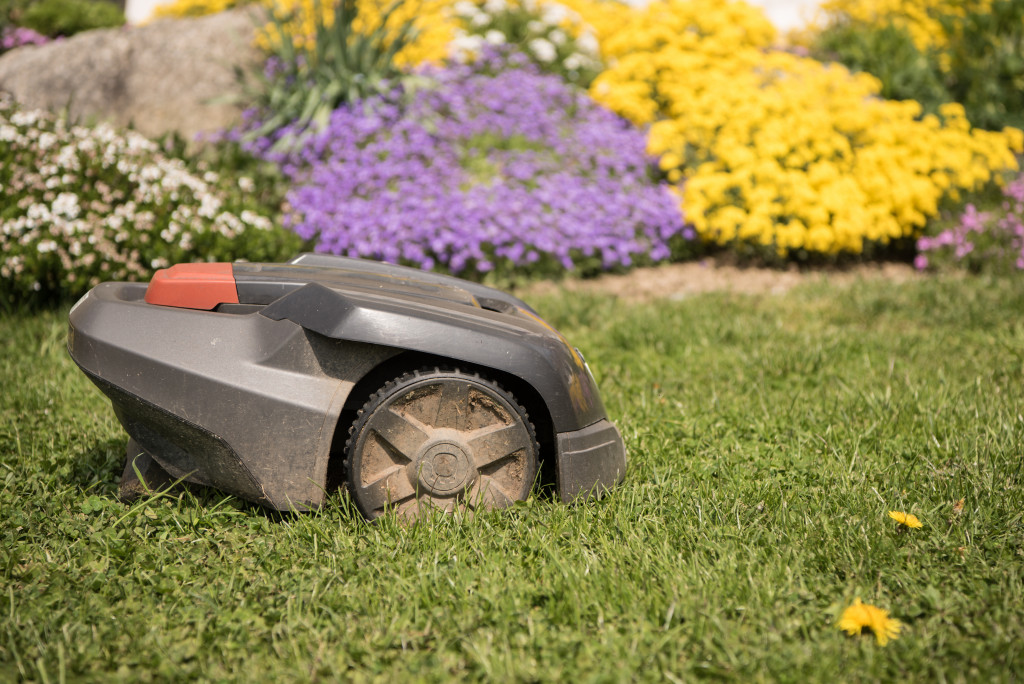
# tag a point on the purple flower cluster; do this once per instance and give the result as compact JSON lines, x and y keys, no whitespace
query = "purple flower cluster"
{"x":17,"y":36}
{"x":982,"y":237}
{"x":477,"y":166}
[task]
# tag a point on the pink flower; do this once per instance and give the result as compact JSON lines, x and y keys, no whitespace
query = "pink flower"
{"x":16,"y":37}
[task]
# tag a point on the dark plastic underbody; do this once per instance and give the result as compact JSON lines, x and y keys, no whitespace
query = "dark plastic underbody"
{"x":247,"y":396}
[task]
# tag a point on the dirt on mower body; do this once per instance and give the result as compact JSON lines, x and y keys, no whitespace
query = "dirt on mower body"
{"x":279,"y":382}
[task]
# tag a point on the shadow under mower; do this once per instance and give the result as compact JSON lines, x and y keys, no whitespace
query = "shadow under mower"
{"x":277,"y":382}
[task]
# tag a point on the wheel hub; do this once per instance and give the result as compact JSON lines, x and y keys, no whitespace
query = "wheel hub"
{"x":444,"y":468}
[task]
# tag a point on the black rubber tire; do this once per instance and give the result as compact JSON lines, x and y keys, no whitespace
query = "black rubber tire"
{"x":443,"y":439}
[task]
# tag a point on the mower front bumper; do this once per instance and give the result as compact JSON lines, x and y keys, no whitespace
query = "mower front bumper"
{"x":590,"y":461}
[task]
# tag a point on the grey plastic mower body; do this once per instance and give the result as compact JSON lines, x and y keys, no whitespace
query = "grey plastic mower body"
{"x":274,"y":382}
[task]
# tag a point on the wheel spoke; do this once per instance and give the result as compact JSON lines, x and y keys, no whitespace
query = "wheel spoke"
{"x":453,"y":404}
{"x":487,"y":494}
{"x":495,"y":443}
{"x":403,"y":434}
{"x":392,"y":488}
{"x":427,"y":437}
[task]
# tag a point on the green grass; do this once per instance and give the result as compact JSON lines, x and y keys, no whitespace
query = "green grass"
{"x":769,"y":437}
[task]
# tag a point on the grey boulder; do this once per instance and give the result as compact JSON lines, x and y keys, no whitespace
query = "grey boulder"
{"x":169,"y":76}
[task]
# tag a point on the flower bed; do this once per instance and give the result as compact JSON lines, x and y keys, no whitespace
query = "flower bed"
{"x":483,"y":166}
{"x":981,"y":239}
{"x":782,"y":155}
{"x":83,"y":205}
{"x":769,"y":153}
{"x":781,"y":152}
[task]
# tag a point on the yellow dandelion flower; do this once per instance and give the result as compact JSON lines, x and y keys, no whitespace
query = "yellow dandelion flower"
{"x":861,"y":616}
{"x":908,"y":519}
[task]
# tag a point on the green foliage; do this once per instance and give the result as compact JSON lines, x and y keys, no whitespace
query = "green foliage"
{"x":8,"y":11}
{"x":301,"y":86}
{"x":768,"y":439}
{"x":980,"y":63}
{"x":986,"y":64}
{"x":889,"y":53}
{"x":67,"y":17}
{"x":89,"y":204}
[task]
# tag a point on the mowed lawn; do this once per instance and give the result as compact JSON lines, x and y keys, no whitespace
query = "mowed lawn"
{"x":769,"y":437}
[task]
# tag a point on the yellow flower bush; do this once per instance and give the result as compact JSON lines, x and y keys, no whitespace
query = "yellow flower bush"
{"x":436,"y":28}
{"x":779,"y":150}
{"x":436,"y":20}
{"x":194,"y":8}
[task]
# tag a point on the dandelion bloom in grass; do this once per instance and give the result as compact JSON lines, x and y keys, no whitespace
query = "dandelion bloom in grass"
{"x":907,"y":519}
{"x":861,"y":616}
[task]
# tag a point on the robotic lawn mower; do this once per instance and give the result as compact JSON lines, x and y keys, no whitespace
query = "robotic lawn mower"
{"x":279,"y":382}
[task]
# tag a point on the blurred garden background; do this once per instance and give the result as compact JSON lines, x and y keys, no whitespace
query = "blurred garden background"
{"x":521,"y":140}
{"x":847,"y":445}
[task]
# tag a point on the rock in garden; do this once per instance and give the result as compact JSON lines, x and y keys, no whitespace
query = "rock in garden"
{"x":172,"y":75}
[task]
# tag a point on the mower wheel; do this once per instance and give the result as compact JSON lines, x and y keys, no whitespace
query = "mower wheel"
{"x":440,"y":439}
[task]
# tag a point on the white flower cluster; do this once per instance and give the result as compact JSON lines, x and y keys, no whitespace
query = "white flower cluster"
{"x":551,"y":33}
{"x":92,"y":203}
